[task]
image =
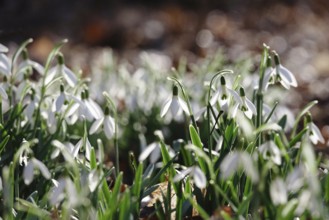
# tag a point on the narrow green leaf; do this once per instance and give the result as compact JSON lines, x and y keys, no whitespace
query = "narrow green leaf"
{"x":298,"y":137}
{"x":93,"y":162}
{"x":195,"y":138}
{"x":4,"y":143}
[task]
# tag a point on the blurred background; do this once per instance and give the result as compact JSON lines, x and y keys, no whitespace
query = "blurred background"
{"x":298,"y":30}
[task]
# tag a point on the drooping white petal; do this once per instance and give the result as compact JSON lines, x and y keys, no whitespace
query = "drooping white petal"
{"x":166,"y":107}
{"x":248,"y":113}
{"x":251,"y":106}
{"x":88,"y":149}
{"x":230,"y":164}
{"x":147,"y":151}
{"x":57,"y":105}
{"x":3,"y":48}
{"x":214,"y":98}
{"x":69,"y":76}
{"x":77,"y":148}
{"x":43,"y":169}
{"x":57,"y":194}
{"x":28,"y":173}
{"x":235,"y":95}
{"x":278,"y":192}
{"x":248,"y":166}
{"x":96,"y":125}
{"x":316,"y":135}
{"x":93,"y":108}
{"x":181,"y":175}
{"x":3,"y":93}
{"x":295,"y":179}
{"x":93,"y":180}
{"x":109,"y":126}
{"x":175,"y":106}
{"x":198,"y":114}
{"x":269,"y":72}
{"x":199,"y":178}
{"x":183,"y":105}
{"x":51,"y":74}
{"x":39,"y":68}
{"x":287,"y":76}
{"x":155,"y":155}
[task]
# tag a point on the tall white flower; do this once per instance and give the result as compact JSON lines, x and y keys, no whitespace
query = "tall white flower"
{"x":236,"y":161}
{"x":5,"y":65}
{"x":83,"y":142}
{"x":27,"y":64}
{"x":221,"y":95}
{"x":270,"y":151}
{"x":3,"y":48}
{"x":314,"y":132}
{"x":28,"y":172}
{"x":175,"y":104}
{"x":278,"y":192}
{"x":62,"y":70}
{"x":244,"y":104}
{"x":283,"y":75}
{"x":107,"y":122}
{"x":199,"y":177}
{"x":60,"y":100}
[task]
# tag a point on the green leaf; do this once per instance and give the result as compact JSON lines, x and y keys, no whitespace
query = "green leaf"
{"x":195,"y":138}
{"x":31,"y":209}
{"x":93,"y":162}
{"x":283,"y":121}
{"x":4,"y":143}
{"x":298,"y":137}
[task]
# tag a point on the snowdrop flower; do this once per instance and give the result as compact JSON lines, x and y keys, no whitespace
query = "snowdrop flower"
{"x":283,"y":75}
{"x":199,"y":178}
{"x":314,"y":132}
{"x":5,"y":65}
{"x":268,"y":74}
{"x":3,"y":93}
{"x":238,"y":160}
{"x":221,"y":95}
{"x":82,"y":142}
{"x":278,"y":192}
{"x":28,"y":172}
{"x":62,"y":69}
{"x":32,"y":105}
{"x":175,"y":104}
{"x":64,"y":188}
{"x":3,"y":48}
{"x":244,"y":104}
{"x":88,"y":108}
{"x":60,"y":100}
{"x":154,"y":149}
{"x":107,"y":122}
{"x":27,"y":64}
{"x":270,"y":151}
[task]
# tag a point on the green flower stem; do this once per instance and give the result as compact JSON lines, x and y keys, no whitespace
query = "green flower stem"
{"x":259,"y":95}
{"x":220,"y":73}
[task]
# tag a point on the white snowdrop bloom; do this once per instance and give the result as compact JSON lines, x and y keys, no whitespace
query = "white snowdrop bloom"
{"x":283,"y":75}
{"x":3,"y":48}
{"x":79,"y":145}
{"x":60,"y":100}
{"x":27,"y":64}
{"x":239,"y":160}
{"x":62,"y":70}
{"x":88,"y":108}
{"x":199,"y":177}
{"x":107,"y":122}
{"x":315,"y":134}
{"x":296,"y":179}
{"x":57,"y":192}
{"x":221,"y":95}
{"x":270,"y":151}
{"x":32,"y":105}
{"x":93,"y":180}
{"x":28,"y":172}
{"x":244,"y":104}
{"x":278,"y":192}
{"x":152,"y":149}
{"x":3,"y":93}
{"x":5,"y":65}
{"x":175,"y":104}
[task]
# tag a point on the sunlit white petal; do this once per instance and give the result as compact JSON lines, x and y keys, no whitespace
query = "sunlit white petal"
{"x":278,"y":192}
{"x":28,"y":173}
{"x":199,"y":178}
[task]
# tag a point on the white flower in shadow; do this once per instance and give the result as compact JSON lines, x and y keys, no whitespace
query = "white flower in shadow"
{"x":199,"y":177}
{"x":28,"y":172}
{"x":270,"y":151}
